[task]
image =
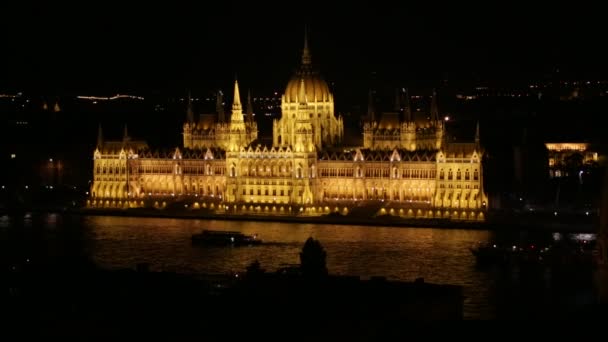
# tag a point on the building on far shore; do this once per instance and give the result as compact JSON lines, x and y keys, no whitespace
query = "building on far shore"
{"x":562,"y":155}
{"x":406,"y":167}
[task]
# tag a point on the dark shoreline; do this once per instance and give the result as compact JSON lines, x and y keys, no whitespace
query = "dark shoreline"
{"x":502,"y":223}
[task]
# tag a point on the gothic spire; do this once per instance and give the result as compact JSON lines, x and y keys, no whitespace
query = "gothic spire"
{"x":237,"y":108}
{"x":306,"y":57}
{"x":236,"y":103}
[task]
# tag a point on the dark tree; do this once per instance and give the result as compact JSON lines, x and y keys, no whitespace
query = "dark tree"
{"x":312,"y":259}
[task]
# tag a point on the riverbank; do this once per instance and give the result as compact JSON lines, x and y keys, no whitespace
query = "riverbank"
{"x":565,"y":224}
{"x":495,"y":221}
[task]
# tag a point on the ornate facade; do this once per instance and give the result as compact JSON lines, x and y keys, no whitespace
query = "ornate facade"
{"x":405,"y":167}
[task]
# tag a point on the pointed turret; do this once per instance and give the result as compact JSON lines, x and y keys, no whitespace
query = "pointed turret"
{"x":219,"y":106}
{"x":189,"y":110}
{"x":306,"y":57}
{"x":236,"y":103}
{"x":237,"y":108}
{"x":99,"y":137}
{"x":408,"y":107}
{"x":434,"y":108}
{"x":370,"y":107}
{"x":56,"y":108}
{"x":249,"y":107}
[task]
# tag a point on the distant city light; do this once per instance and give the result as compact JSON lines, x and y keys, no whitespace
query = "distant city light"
{"x":447,"y":118}
{"x":115,"y":97}
{"x":51,"y":160}
{"x":13,"y":156}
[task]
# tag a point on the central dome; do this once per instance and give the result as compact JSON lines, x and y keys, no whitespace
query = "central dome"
{"x":315,"y":86}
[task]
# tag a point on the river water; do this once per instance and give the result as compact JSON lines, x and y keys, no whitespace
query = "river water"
{"x":437,"y":255}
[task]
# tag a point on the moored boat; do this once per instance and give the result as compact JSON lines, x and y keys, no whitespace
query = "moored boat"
{"x":225,"y":238}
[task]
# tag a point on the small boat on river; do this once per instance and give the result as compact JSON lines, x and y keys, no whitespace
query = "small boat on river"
{"x":225,"y":238}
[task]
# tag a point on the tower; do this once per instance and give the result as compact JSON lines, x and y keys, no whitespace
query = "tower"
{"x":237,"y":123}
{"x":327,"y":129}
{"x":436,"y":122}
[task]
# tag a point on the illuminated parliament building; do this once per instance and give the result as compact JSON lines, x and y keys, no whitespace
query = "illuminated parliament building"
{"x":405,"y":167}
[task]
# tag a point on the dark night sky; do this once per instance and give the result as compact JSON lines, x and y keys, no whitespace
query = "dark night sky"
{"x":110,"y":47}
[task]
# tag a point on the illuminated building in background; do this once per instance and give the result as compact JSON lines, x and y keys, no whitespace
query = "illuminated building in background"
{"x":403,"y":168}
{"x":566,"y":155}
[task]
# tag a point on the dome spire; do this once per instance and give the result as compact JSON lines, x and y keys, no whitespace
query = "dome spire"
{"x":306,"y":58}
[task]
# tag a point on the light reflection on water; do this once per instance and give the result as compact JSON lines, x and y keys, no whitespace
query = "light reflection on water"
{"x":438,"y":255}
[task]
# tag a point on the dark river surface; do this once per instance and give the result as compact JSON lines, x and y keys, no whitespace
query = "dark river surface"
{"x":437,"y":255}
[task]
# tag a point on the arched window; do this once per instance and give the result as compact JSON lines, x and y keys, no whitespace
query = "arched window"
{"x":467,"y":175}
{"x":232,"y":171}
{"x":298,"y":172}
{"x":395,"y":172}
{"x":450,"y":174}
{"x":458,"y":175}
{"x":476,"y":175}
{"x":441,"y":174}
